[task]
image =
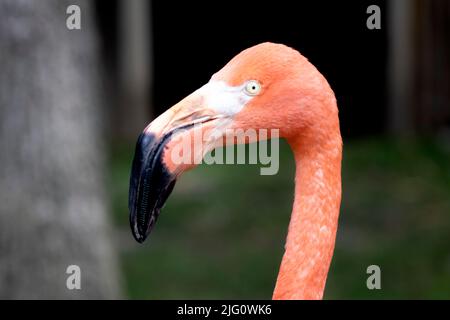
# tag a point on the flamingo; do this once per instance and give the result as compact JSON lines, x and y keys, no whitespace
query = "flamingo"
{"x":267,"y":86}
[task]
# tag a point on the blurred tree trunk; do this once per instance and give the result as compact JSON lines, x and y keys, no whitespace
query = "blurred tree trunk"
{"x":135,"y":68}
{"x":432,"y":85}
{"x":401,"y":68}
{"x":419,"y":53}
{"x":52,"y":201}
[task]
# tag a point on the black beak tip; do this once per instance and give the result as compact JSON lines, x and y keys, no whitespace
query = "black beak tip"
{"x":150,"y":185}
{"x":137,"y":235}
{"x":139,"y":238}
{"x":141,"y":229}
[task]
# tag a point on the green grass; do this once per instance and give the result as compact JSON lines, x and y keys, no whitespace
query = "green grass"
{"x":222,"y":231}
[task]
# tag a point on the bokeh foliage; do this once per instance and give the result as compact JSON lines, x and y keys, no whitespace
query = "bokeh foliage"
{"x":221,"y":233}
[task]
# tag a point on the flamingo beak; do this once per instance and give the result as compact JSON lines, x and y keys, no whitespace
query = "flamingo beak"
{"x":154,"y":173}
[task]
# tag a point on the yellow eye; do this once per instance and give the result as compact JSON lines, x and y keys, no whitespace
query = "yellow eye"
{"x":252,"y":87}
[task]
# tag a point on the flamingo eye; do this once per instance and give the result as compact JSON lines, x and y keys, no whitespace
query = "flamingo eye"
{"x":252,"y":87}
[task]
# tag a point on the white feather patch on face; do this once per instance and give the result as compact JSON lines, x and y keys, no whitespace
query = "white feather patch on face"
{"x":224,"y":99}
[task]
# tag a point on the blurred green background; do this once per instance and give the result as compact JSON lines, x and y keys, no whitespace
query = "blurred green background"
{"x":221,"y":233}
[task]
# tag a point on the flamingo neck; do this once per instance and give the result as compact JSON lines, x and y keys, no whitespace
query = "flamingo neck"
{"x":312,"y":228}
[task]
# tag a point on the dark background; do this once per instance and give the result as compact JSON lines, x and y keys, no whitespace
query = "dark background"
{"x":195,"y":40}
{"x":192,"y":40}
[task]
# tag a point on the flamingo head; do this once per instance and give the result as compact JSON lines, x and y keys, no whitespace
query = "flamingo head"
{"x":268,"y":86}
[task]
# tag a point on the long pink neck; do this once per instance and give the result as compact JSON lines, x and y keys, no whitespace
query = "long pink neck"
{"x":312,"y":229}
